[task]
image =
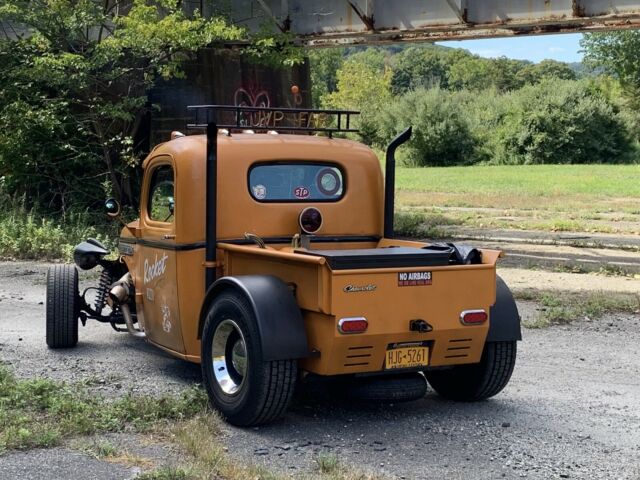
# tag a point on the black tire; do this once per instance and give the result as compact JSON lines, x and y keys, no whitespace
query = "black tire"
{"x":266,"y":387}
{"x":62,"y":306}
{"x":479,"y":381}
{"x":387,"y":388}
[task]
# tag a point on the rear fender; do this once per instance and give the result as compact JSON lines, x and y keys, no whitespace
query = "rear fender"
{"x":504,"y":317}
{"x":280,"y":323}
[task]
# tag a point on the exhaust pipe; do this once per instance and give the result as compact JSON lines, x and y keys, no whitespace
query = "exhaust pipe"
{"x":126,"y":313}
{"x":120,"y":290}
{"x":390,"y":181}
{"x":119,"y":296}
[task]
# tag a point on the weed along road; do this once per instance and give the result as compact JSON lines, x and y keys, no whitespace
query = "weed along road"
{"x":570,"y":411}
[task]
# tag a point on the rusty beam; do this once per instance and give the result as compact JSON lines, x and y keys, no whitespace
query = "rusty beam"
{"x":333,"y":22}
{"x":285,"y":25}
{"x":460,"y":11}
{"x":366,"y":19}
{"x":459,"y":33}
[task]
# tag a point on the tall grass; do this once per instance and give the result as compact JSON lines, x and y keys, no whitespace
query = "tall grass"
{"x":28,"y":235}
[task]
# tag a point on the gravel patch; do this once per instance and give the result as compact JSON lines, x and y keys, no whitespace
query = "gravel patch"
{"x":570,"y":411}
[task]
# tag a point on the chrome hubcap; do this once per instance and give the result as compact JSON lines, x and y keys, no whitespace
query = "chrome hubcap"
{"x":229,"y":357}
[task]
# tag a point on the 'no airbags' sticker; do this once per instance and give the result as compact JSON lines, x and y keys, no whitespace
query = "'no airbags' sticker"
{"x":414,"y":279}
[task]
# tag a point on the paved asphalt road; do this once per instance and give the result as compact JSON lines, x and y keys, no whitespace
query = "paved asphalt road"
{"x":572,"y":409}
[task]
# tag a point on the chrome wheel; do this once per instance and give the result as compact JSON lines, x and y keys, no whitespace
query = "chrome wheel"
{"x":229,"y":357}
{"x":246,"y":389}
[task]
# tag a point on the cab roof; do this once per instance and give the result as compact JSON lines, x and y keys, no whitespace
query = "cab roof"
{"x":304,"y":144}
{"x":358,"y":212}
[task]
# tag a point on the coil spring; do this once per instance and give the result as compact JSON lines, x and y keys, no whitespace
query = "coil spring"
{"x":103,"y":290}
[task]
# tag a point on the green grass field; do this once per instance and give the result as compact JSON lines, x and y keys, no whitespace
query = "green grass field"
{"x":586,"y":198}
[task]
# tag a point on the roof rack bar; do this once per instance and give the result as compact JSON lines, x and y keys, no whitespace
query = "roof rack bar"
{"x":272,"y":127}
{"x":270,"y":109}
{"x":269,"y":118}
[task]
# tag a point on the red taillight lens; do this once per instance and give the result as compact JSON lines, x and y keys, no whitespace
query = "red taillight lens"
{"x":473,"y":317}
{"x":353,"y":325}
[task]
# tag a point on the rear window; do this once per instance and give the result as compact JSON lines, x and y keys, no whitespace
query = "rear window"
{"x":296,"y":182}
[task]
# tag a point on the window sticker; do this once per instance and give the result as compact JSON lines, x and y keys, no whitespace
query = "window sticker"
{"x":301,"y":192}
{"x":260,"y":192}
{"x":328,"y":181}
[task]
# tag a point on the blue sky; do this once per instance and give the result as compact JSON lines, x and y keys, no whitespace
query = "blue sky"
{"x":564,"y":48}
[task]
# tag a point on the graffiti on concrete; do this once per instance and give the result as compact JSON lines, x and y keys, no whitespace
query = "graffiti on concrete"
{"x":251,"y":96}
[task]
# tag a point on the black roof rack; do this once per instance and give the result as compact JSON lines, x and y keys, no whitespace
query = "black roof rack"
{"x":234,"y":117}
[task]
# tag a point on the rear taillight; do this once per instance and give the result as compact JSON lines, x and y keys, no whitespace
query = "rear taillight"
{"x":473,"y":317}
{"x":353,"y":325}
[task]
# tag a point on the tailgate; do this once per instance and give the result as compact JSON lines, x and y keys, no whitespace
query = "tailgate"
{"x":390,"y":299}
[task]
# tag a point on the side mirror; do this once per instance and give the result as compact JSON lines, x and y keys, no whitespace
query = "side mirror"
{"x":172,"y":205}
{"x":112,"y":207}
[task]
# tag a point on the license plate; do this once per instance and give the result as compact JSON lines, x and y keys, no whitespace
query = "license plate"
{"x":407,"y":357}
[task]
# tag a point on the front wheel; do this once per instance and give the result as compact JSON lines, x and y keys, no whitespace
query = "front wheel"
{"x":243,"y":387}
{"x":478,"y":381}
{"x":62,"y":306}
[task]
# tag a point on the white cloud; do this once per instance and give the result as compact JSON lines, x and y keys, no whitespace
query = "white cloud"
{"x":556,"y":49}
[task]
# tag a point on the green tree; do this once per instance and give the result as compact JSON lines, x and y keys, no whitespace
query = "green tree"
{"x":74,"y":87}
{"x":325,"y":64}
{"x":361,"y":86}
{"x":375,"y":58}
{"x":505,"y":73}
{"x":476,"y":73}
{"x":618,"y":53}
{"x":536,"y":72}
{"x":470,"y":73}
{"x":418,"y":67}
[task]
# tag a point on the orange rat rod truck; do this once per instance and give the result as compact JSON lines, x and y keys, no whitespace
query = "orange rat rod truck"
{"x":270,"y":257}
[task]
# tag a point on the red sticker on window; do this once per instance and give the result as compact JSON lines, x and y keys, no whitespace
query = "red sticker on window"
{"x":301,"y":192}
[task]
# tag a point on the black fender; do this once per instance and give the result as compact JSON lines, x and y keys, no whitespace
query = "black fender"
{"x":89,"y":254}
{"x":504,"y":318}
{"x":280,"y":323}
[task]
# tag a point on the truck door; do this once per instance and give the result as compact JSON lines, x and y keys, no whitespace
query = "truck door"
{"x":158,"y":262}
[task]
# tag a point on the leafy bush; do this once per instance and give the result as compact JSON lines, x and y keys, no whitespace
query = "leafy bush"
{"x":28,"y":235}
{"x":559,"y":122}
{"x":441,"y":131}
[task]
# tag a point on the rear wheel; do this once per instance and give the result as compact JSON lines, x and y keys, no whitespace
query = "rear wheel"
{"x":245,"y":389}
{"x":62,"y":306}
{"x":478,"y":381}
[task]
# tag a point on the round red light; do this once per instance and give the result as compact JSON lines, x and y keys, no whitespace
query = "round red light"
{"x":310,"y":220}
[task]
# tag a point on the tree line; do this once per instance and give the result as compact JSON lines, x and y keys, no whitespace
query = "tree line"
{"x":466,"y":109}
